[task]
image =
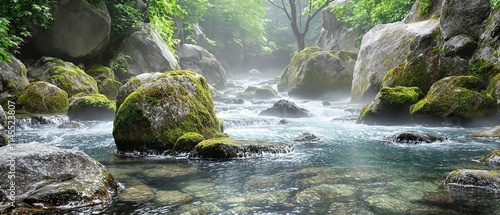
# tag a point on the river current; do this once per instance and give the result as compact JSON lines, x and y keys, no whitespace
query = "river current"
{"x":351,"y":170}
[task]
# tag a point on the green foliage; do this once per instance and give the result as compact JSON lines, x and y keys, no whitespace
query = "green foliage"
{"x":15,"y":16}
{"x":425,"y":6}
{"x":365,"y":14}
{"x":238,"y":24}
{"x":161,"y":13}
{"x":495,"y":4}
{"x":123,"y":16}
{"x":117,"y":65}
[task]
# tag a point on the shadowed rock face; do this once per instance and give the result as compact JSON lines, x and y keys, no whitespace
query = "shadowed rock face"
{"x":286,"y":109}
{"x":199,"y":60}
{"x":53,"y":177}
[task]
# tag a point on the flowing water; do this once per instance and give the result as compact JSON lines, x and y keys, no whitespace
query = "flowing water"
{"x":351,"y":170}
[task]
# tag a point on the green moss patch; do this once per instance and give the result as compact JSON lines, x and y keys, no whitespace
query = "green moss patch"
{"x":43,"y":98}
{"x":187,"y":142}
{"x":109,"y":87}
{"x":100,"y":72}
{"x":228,"y":148}
{"x":92,"y":107}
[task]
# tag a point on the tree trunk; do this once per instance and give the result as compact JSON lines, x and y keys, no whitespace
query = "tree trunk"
{"x":301,"y":45}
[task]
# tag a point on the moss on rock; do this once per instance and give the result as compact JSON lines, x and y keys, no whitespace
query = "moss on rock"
{"x":266,"y":92}
{"x":100,"y":72}
{"x":391,"y":106}
{"x":63,"y":74}
{"x":160,"y":111}
{"x":43,"y":98}
{"x":92,"y":107}
{"x":314,"y":73}
{"x":455,"y":97}
{"x":109,"y":87}
{"x":187,"y":142}
{"x":227,"y":148}
{"x":132,"y":85}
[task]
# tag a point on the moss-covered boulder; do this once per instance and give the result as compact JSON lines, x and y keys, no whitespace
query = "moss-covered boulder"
{"x":109,"y":87}
{"x":63,"y":74}
{"x":100,"y":72}
{"x":457,"y":100}
{"x":488,"y":133}
{"x":132,"y":85}
{"x":227,"y":148}
{"x":385,"y":47}
{"x":13,"y":79}
{"x":315,"y":74}
{"x":473,"y":184}
{"x":187,"y":142}
{"x":492,"y":158}
{"x":92,"y":107}
{"x":58,"y":179}
{"x":266,"y":92}
{"x":246,"y":95}
{"x":43,"y":98}
{"x":160,"y":111}
{"x":391,"y":106}
{"x":3,"y":117}
{"x":413,"y":137}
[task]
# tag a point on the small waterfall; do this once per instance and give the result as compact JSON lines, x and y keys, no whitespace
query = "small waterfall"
{"x":248,"y":122}
{"x":26,"y":123}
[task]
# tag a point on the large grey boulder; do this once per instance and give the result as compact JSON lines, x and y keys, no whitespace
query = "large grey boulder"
{"x":317,"y":74}
{"x":13,"y":78}
{"x":199,"y":60}
{"x":334,"y":34}
{"x":132,"y":85}
{"x":420,"y":12}
{"x":80,"y":30}
{"x":488,"y":41}
{"x":385,"y":47}
{"x":53,"y":177}
{"x":64,"y":75}
{"x":143,"y":51}
{"x":464,"y":17}
{"x":160,"y":111}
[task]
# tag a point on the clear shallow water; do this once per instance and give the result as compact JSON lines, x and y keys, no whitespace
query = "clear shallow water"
{"x":352,"y":170}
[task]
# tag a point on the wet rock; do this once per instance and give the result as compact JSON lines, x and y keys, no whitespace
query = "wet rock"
{"x":100,"y":72}
{"x":264,"y":182}
{"x":251,"y":89}
{"x":68,"y":36}
{"x":24,"y":123}
{"x":492,"y":158}
{"x":266,"y":198}
{"x":199,"y":60}
{"x":414,"y":137}
{"x":351,"y":118}
{"x":386,"y":204}
{"x":234,"y":101}
{"x":326,"y":104}
{"x":488,"y":133}
{"x":172,"y":197}
{"x":4,"y":138}
{"x":64,"y":75}
{"x":473,"y":184}
{"x":72,"y":125}
{"x":457,"y":100}
{"x":143,"y":51}
{"x":227,"y":148}
{"x":202,"y":208}
{"x":317,"y":74}
{"x":246,"y":95}
{"x":63,"y":178}
{"x":92,"y":107}
{"x":132,"y":85}
{"x":286,"y":109}
{"x":201,"y":188}
{"x":137,"y":192}
{"x":3,"y":118}
{"x":13,"y":78}
{"x":187,"y":142}
{"x":159,"y":112}
{"x":266,"y":92}
{"x":391,"y":106}
{"x":284,"y":122}
{"x":306,"y":137}
{"x":109,"y":87}
{"x":43,"y":98}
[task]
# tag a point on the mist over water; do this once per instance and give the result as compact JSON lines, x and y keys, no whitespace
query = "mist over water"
{"x":351,"y":170}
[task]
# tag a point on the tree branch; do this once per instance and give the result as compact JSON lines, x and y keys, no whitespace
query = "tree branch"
{"x":310,"y":17}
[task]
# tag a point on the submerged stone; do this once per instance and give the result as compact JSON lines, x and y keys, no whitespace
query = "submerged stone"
{"x":227,"y":148}
{"x":488,"y":133}
{"x":54,"y":178}
{"x":306,"y":137}
{"x":172,"y":197}
{"x":492,"y":158}
{"x":137,"y":192}
{"x":266,"y":92}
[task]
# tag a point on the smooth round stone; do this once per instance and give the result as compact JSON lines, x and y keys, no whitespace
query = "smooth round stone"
{"x":173,"y":197}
